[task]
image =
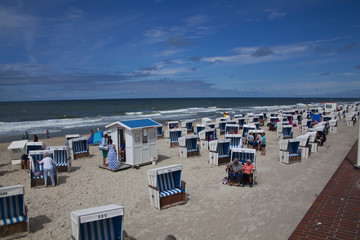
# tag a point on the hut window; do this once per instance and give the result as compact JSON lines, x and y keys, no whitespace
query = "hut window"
{"x":145,"y":136}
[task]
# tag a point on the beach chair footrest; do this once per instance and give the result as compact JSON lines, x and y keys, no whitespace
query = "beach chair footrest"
{"x":81,"y":155}
{"x":223,"y":160}
{"x":172,"y":200}
{"x":19,"y":228}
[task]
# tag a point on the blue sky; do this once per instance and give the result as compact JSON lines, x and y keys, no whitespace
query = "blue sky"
{"x":167,"y":48}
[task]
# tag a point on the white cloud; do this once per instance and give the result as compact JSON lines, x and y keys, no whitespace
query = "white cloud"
{"x":155,"y":35}
{"x":274,"y":14}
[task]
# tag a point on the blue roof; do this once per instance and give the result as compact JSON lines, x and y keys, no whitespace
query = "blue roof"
{"x":140,"y":123}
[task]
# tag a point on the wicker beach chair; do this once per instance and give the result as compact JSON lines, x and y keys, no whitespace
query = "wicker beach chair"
{"x":172,"y":137}
{"x":188,"y":146}
{"x":14,"y":221}
{"x":79,"y":147}
{"x":289,"y":151}
{"x":62,"y":158}
{"x":219,"y":152}
{"x":166,"y":189}
{"x":98,"y":223}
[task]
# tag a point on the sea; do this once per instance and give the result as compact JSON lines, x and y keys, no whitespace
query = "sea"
{"x":81,"y":116}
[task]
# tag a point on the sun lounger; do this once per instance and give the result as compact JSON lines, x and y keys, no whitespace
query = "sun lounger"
{"x":14,"y":221}
{"x":166,"y":189}
{"x":98,"y":223}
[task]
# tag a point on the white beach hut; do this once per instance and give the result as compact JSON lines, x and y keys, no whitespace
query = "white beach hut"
{"x":139,"y":137}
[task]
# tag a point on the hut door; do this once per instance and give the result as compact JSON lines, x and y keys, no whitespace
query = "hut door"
{"x":145,"y":147}
{"x":120,"y":141}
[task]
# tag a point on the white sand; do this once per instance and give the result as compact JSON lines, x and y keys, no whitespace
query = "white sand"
{"x":270,"y":210}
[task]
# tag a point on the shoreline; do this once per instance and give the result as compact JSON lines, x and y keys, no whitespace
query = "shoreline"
{"x":270,"y":210}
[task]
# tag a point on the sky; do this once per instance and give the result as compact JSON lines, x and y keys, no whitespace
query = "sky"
{"x":59,"y":50}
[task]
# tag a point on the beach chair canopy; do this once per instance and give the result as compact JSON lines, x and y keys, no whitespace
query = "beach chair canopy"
{"x":159,"y":131}
{"x":232,"y":128}
{"x":246,"y":128}
{"x":33,"y":146}
{"x":199,"y":128}
{"x":173,"y":124}
{"x":235,"y":140}
{"x":190,"y":142}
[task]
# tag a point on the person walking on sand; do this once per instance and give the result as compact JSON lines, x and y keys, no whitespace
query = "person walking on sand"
{"x":48,"y":168}
{"x":47,"y":133}
{"x":112,"y":156}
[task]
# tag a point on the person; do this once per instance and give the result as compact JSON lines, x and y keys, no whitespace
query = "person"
{"x":26,"y":135}
{"x":49,"y":164}
{"x":257,"y":140}
{"x":247,"y":173}
{"x":112,"y":156}
{"x":262,"y":145}
{"x":104,"y":143}
{"x":25,"y":161}
{"x":91,"y":132}
{"x":23,"y":136}
{"x":122,"y":151}
{"x":36,"y":138}
{"x":234,"y":171}
{"x":250,"y":140}
{"x":47,"y":133}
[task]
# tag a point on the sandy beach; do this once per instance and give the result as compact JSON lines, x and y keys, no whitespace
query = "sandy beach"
{"x":270,"y":210}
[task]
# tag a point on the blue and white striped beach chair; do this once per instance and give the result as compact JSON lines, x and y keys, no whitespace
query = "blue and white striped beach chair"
{"x":286,"y":130}
{"x":221,"y":127}
{"x":166,"y":189}
{"x":235,"y":140}
{"x":199,"y":128}
{"x":62,"y":158}
{"x":188,"y":146}
{"x":98,"y":223}
{"x":37,"y":174}
{"x":172,"y":137}
{"x":34,"y":146}
{"x":206,"y":136}
{"x":289,"y":151}
{"x":244,"y":154}
{"x":246,"y":128}
{"x":79,"y":147}
{"x":13,"y":214}
{"x":173,"y":125}
{"x":231,"y":129}
{"x":219,"y":152}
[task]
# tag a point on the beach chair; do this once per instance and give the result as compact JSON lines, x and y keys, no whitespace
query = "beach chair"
{"x":34,"y":146}
{"x":98,"y":223}
{"x":79,"y":147}
{"x":159,"y":132}
{"x":236,"y":141}
{"x":246,"y":128}
{"x":286,"y":132}
{"x":210,"y":125}
{"x":219,"y":152}
{"x":289,"y":151}
{"x":241,"y":123}
{"x":62,"y":157}
{"x":36,"y":173}
{"x":166,"y":189}
{"x":272,"y":123}
{"x":255,"y":118}
{"x":232,"y":129}
{"x":261,"y":119}
{"x":173,"y":125}
{"x":188,"y":146}
{"x":312,"y":141}
{"x":199,"y":128}
{"x":69,"y":137}
{"x":187,"y":126}
{"x":333,"y":126}
{"x":305,"y":125}
{"x":350,"y":120}
{"x":220,"y":127}
{"x":172,"y":137}
{"x":206,"y":136}
{"x":304,"y":146}
{"x":16,"y":149}
{"x":242,"y":155}
{"x":14,"y":222}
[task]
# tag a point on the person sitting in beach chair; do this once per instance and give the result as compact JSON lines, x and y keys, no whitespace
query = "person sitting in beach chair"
{"x":122,"y":152}
{"x":234,"y":170}
{"x":247,"y":173}
{"x":25,"y":163}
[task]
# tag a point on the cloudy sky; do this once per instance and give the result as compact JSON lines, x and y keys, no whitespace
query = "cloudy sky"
{"x":167,"y":48}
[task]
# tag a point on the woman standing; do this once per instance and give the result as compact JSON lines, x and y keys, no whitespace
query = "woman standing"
{"x":112,"y":156}
{"x":48,"y":168}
